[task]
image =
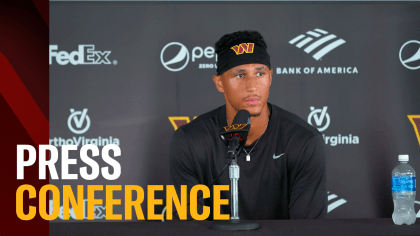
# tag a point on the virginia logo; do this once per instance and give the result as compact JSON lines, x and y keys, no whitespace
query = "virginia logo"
{"x":243,"y":47}
{"x":78,"y":118}
{"x":319,"y":119}
{"x":322,"y":122}
{"x":334,"y":204}
{"x":78,"y":123}
{"x":178,"y":121}
{"x":415,"y":121}
{"x":321,"y":37}
{"x":413,"y":60}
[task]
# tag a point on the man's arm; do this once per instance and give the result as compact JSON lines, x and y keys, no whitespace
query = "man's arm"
{"x":182,"y":169}
{"x":308,"y":198}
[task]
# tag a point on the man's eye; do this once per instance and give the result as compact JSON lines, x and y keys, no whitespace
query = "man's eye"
{"x":260,"y":73}
{"x":240,"y":75}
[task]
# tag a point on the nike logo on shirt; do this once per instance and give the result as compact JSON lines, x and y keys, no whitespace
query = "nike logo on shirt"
{"x":275,"y":157}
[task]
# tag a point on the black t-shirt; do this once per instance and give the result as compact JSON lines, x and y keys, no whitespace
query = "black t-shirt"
{"x":285,"y":178}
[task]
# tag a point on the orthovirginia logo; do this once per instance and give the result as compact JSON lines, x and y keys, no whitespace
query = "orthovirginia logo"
{"x":175,"y":56}
{"x":411,"y":51}
{"x":415,"y":121}
{"x":334,"y":204}
{"x":318,"y":43}
{"x":319,"y":119}
{"x":85,"y":55}
{"x":79,"y":122}
{"x":322,"y":121}
{"x":78,"y":117}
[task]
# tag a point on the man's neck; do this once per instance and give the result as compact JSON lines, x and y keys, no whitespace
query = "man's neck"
{"x":258,"y":123}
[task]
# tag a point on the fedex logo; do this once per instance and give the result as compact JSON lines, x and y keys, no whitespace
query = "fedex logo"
{"x":243,"y":47}
{"x":85,"y":55}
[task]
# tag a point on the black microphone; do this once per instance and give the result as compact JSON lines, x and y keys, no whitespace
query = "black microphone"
{"x":235,"y":135}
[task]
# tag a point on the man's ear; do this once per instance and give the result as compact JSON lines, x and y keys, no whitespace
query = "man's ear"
{"x":271,"y":75}
{"x":217,"y":79}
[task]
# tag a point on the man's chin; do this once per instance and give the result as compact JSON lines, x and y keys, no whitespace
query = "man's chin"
{"x":255,"y":111}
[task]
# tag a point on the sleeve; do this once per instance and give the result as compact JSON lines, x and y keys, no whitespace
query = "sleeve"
{"x":182,"y":170}
{"x":308,"y":199}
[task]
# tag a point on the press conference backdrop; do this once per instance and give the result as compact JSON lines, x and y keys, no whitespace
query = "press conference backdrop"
{"x":130,"y":73}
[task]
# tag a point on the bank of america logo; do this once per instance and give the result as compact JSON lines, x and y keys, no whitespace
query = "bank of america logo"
{"x":333,"y":202}
{"x":322,"y":37}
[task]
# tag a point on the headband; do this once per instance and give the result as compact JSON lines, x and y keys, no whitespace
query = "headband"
{"x":242,"y":53}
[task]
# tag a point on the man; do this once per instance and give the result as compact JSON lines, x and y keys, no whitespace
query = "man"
{"x":282,"y":167}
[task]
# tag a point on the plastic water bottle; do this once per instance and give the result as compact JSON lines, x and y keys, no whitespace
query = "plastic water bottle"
{"x":403,"y":192}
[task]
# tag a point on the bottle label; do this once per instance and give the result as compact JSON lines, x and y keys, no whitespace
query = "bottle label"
{"x":403,"y":183}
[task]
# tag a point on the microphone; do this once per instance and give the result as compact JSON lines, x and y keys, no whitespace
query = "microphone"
{"x":235,"y":135}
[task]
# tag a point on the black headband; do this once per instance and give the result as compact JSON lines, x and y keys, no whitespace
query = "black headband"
{"x":242,"y":53}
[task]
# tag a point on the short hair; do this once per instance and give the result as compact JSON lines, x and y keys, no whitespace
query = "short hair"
{"x":228,"y":39}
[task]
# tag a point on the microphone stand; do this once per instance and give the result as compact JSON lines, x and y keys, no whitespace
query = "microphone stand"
{"x":234,"y":223}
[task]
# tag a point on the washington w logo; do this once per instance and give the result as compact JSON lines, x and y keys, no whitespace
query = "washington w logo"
{"x":243,"y":47}
{"x":323,"y":37}
{"x":235,"y":127}
{"x":415,"y":121}
{"x":178,"y":121}
{"x":334,"y":204}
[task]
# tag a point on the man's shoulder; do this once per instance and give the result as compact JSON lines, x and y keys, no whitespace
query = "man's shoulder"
{"x":203,"y":123}
{"x":292,"y":122}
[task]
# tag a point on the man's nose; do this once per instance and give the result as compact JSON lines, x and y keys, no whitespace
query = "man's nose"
{"x":251,"y":84}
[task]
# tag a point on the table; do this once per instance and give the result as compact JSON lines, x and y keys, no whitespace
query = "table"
{"x":326,"y":227}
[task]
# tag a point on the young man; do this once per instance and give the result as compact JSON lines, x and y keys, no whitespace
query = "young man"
{"x":283,"y":165}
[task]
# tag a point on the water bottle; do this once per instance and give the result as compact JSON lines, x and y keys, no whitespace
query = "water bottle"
{"x":403,"y":192}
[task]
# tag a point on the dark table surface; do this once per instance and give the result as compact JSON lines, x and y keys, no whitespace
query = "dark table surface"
{"x":381,"y":226}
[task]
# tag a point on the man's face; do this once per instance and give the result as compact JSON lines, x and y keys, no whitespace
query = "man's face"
{"x":245,"y":87}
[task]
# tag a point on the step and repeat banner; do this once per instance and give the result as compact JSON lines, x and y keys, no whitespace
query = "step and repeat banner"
{"x":130,"y":73}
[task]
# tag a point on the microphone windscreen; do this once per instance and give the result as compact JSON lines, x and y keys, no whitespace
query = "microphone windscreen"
{"x":242,"y":117}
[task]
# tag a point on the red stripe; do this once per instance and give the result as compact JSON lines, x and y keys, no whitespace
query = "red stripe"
{"x":43,"y":8}
{"x":22,"y":103}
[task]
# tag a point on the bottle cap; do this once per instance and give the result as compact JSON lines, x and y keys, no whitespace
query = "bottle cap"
{"x":402,"y":157}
